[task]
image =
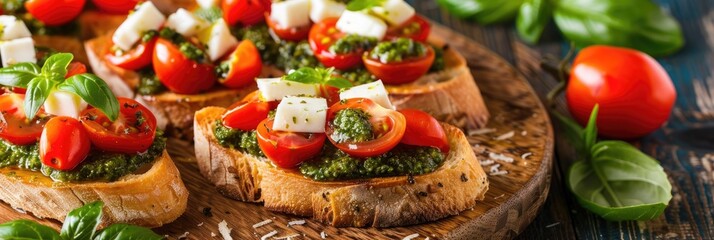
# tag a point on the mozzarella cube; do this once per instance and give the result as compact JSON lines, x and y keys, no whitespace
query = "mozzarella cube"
{"x":272,"y":89}
{"x":395,"y":12}
{"x":61,"y":103}
{"x":291,"y":13}
{"x":218,"y":40}
{"x":12,"y":28}
{"x":362,"y":24}
{"x":185,"y":23}
{"x":207,"y":3}
{"x":374,"y":91}
{"x":321,"y":9}
{"x":17,"y":51}
{"x":146,"y":17}
{"x":301,"y":114}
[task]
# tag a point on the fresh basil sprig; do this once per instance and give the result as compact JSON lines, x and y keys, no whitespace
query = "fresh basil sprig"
{"x":533,"y":17}
{"x":614,"y":179}
{"x":80,"y":224}
{"x":483,"y":11}
{"x":317,"y":76}
{"x":359,"y":5}
{"x":40,"y":82}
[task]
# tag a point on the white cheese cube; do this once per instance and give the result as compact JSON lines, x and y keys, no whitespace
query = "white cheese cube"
{"x":291,"y":13}
{"x":272,"y":89}
{"x":185,"y":23}
{"x":301,"y":114}
{"x":395,"y":12}
{"x":321,"y":9}
{"x":61,"y":103}
{"x":218,"y":40}
{"x":375,"y":91}
{"x":12,"y":28}
{"x":362,"y":24}
{"x":146,"y":17}
{"x":17,"y":51}
{"x":207,"y":3}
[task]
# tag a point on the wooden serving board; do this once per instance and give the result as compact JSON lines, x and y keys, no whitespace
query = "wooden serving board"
{"x":511,"y":203}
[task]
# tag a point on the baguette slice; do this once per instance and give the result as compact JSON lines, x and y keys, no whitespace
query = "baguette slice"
{"x":153,"y":198}
{"x":378,"y":202}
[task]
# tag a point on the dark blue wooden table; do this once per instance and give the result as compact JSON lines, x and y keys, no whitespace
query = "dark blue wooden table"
{"x":685,"y":145}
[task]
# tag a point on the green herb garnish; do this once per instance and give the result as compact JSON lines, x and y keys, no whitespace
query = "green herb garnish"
{"x":359,"y":5}
{"x":317,"y":76}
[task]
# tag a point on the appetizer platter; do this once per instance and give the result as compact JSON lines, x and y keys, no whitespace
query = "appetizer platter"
{"x":345,"y":122}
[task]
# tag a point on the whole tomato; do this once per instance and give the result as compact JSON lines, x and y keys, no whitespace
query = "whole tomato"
{"x":54,"y":12}
{"x":64,"y":143}
{"x":635,"y":93}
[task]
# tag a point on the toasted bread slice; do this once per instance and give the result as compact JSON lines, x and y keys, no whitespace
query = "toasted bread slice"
{"x":152,"y":198}
{"x":378,"y":202}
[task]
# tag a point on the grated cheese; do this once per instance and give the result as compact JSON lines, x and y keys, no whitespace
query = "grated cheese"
{"x":269,"y":235}
{"x":500,"y":157}
{"x":523,"y":133}
{"x":200,"y":224}
{"x":495,"y":167}
{"x":296,"y":222}
{"x":499,"y":173}
{"x":224,"y":230}
{"x":287,"y":237}
{"x":486,"y":162}
{"x":481,"y":131}
{"x":552,"y":225}
{"x":263,"y":223}
{"x":184,"y":236}
{"x":526,"y":155}
{"x":410,"y":237}
{"x":213,"y":234}
{"x":505,"y":136}
{"x":323,"y":235}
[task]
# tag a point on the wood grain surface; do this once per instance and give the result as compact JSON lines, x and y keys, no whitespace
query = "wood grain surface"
{"x":519,"y":129}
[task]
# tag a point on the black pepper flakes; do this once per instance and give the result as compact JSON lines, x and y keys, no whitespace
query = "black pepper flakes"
{"x":422,"y":194}
{"x":410,"y":179}
{"x":440,"y":185}
{"x":207,"y":212}
{"x":464,"y":178}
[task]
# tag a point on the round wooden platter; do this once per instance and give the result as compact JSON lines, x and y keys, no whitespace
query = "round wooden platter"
{"x":519,"y":128}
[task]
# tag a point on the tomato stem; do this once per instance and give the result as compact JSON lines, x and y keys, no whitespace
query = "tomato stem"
{"x":561,"y":72}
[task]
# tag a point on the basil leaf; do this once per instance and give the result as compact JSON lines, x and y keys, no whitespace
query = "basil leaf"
{"x":574,"y":132}
{"x":56,"y":65}
{"x":620,"y":183}
{"x":590,"y":132}
{"x":94,"y":91}
{"x":359,"y":5}
{"x":338,"y":82}
{"x":38,"y":90}
{"x":127,"y":232}
{"x":483,"y":11}
{"x":18,"y":75}
{"x":210,"y":14}
{"x":533,"y":17}
{"x":304,"y":75}
{"x":27,"y":230}
{"x":81,"y":223}
{"x":615,"y":22}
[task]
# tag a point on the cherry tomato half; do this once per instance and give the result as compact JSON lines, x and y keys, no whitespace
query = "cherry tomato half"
{"x":332,"y":94}
{"x":54,"y":12}
{"x":406,"y":71}
{"x":115,"y":6}
{"x":134,"y":59}
{"x":245,"y":65}
{"x":416,"y":28}
{"x":179,"y":73}
{"x":75,"y":68}
{"x":424,"y":130}
{"x":248,"y":115}
{"x":133,"y":131}
{"x":287,"y":149}
{"x":635,"y":93}
{"x":246,"y":12}
{"x":14,"y":126}
{"x":295,"y":34}
{"x":322,"y":36}
{"x":388,"y":124}
{"x":64,"y":143}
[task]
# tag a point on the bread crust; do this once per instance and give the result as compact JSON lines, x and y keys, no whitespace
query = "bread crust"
{"x":378,"y":202}
{"x":151,"y":199}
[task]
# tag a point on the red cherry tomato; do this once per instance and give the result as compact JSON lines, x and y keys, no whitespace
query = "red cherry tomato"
{"x":134,"y":59}
{"x":247,"y":115}
{"x":245,"y":66}
{"x":133,"y":131}
{"x":287,"y":149}
{"x":424,"y":130}
{"x":406,"y":71}
{"x":389,"y":125}
{"x":54,"y":12}
{"x":635,"y":93}
{"x":322,"y":36}
{"x":246,"y":12}
{"x":416,"y":28}
{"x":289,"y":34}
{"x":115,"y":6}
{"x":332,"y":94}
{"x":64,"y":143}
{"x":179,"y":73}
{"x":75,"y":68}
{"x":14,"y":126}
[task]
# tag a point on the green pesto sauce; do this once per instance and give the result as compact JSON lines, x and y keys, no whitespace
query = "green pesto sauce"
{"x":260,"y":36}
{"x":352,"y":125}
{"x":98,"y":166}
{"x":335,"y":164}
{"x":245,"y":141}
{"x":398,"y":50}
{"x":439,"y":63}
{"x":188,"y":49}
{"x":352,"y":43}
{"x":149,"y":83}
{"x":294,"y":55}
{"x":358,"y":76}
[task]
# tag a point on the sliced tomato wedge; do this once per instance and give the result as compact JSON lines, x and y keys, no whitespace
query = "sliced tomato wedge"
{"x":134,"y":59}
{"x":115,"y":6}
{"x":14,"y":126}
{"x":244,"y":66}
{"x":388,"y":125}
{"x":332,"y":94}
{"x":295,"y":34}
{"x":246,"y":12}
{"x":75,"y":68}
{"x":288,"y":149}
{"x":248,"y":115}
{"x":416,"y":28}
{"x":54,"y":12}
{"x":64,"y":143}
{"x":133,"y":131}
{"x":179,"y":73}
{"x":322,"y":36}
{"x":424,"y":130}
{"x":406,"y":71}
